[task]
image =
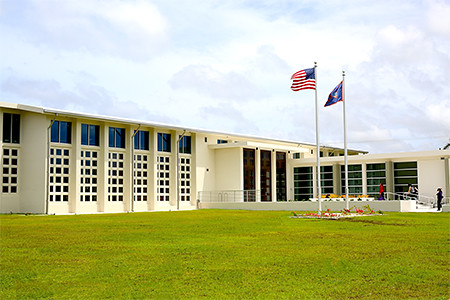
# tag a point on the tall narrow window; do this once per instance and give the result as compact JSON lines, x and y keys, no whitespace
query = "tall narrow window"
{"x":266,"y":175}
{"x":164,"y":142}
{"x":59,"y":174}
{"x":116,"y":137}
{"x":115,"y":176}
{"x":249,"y":175}
{"x":376,"y":175}
{"x":163,"y":175}
{"x":11,"y":128}
{"x":405,"y":173}
{"x":185,"y":179}
{"x":90,"y":135}
{"x":303,"y":183}
{"x":140,"y":177}
{"x":326,"y":182}
{"x":88,"y":175}
{"x":355,"y":186}
{"x":61,"y":132}
{"x":10,"y":164}
{"x":185,"y":145}
{"x":141,"y":140}
{"x":281,"y":176}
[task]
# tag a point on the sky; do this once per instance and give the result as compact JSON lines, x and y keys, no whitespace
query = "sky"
{"x":226,"y":65}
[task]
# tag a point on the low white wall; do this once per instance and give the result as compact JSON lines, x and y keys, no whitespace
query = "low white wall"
{"x":58,"y":208}
{"x":396,"y":205}
{"x":87,"y":207}
{"x":10,"y":203}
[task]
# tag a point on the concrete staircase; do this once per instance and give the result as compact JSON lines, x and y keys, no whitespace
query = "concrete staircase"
{"x":425,"y":207}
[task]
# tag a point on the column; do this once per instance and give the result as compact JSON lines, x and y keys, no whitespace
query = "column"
{"x":152,"y":169}
{"x":75,"y":167}
{"x":273,"y":170}
{"x":173,"y":169}
{"x":103,"y":169}
{"x":390,"y":179}
{"x":364,"y":178}
{"x":258,"y":175}
{"x":447,"y":176}
{"x":337,"y":179}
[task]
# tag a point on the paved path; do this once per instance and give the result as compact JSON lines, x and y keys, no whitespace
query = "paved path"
{"x":423,"y":208}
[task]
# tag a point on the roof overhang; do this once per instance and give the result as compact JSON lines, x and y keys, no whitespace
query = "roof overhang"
{"x":263,"y":146}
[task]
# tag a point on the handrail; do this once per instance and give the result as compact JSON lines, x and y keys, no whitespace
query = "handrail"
{"x":229,"y":196}
{"x":395,"y":196}
{"x":420,"y":198}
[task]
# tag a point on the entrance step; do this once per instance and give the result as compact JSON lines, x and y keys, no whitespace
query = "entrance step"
{"x":425,"y":208}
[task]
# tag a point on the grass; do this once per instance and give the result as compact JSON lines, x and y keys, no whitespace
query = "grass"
{"x":224,"y":254}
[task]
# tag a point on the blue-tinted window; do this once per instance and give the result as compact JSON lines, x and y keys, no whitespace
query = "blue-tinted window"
{"x":222,"y":141}
{"x":141,"y":140}
{"x":164,"y":142}
{"x":84,"y":134}
{"x":61,"y":132}
{"x":116,"y":137}
{"x":55,"y":132}
{"x":90,"y":135}
{"x":185,"y":144}
{"x":11,"y":128}
{"x":94,"y":135}
{"x":111,"y":138}
{"x":64,"y":133}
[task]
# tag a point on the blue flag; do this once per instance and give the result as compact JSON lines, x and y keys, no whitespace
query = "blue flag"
{"x":335,"y":95}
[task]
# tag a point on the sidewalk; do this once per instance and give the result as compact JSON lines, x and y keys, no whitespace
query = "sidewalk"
{"x":423,"y":208}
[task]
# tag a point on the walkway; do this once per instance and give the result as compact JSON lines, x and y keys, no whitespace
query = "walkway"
{"x":425,"y":208}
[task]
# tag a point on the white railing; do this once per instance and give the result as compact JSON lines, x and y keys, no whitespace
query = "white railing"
{"x":229,"y":196}
{"x":420,"y":198}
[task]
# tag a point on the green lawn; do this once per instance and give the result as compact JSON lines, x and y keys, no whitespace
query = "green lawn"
{"x":224,"y":254}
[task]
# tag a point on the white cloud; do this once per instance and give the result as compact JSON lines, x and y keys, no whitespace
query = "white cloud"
{"x":85,"y":98}
{"x":139,"y":16}
{"x":213,"y":83}
{"x":438,"y":17}
{"x":439,"y":114}
{"x":133,"y":30}
{"x":235,"y":118}
{"x":226,"y":65}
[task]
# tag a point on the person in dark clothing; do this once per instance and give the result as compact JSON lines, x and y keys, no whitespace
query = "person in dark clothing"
{"x":409,"y":193}
{"x":414,"y":192}
{"x":439,"y":198}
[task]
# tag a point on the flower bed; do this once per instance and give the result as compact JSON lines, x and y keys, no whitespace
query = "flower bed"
{"x":324,"y":199}
{"x":345,"y":213}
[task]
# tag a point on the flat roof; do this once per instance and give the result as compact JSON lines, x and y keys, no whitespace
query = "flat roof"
{"x":378,"y":157}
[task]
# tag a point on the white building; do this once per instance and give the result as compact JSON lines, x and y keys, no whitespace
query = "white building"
{"x":65,"y":162}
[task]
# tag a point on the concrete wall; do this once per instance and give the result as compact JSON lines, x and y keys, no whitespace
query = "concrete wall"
{"x":399,"y":206}
{"x":205,"y":163}
{"x":432,"y":168}
{"x":229,"y":166}
{"x":32,"y":167}
{"x":431,"y":175}
{"x":33,"y":170}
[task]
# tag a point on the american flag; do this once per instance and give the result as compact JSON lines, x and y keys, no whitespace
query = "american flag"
{"x":304,"y":80}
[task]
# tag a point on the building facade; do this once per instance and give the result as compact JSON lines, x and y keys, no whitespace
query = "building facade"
{"x":66,"y":162}
{"x":426,"y":170}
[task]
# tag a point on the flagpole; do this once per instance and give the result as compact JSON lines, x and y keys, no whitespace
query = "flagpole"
{"x":319,"y":190}
{"x":347,"y":204}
